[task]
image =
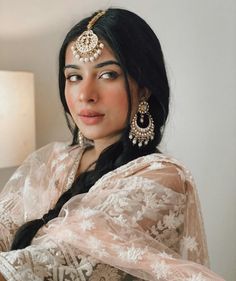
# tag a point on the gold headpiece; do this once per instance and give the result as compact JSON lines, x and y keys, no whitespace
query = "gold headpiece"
{"x":87,"y":47}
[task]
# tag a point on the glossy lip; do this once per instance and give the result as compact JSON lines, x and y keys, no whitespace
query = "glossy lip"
{"x":90,"y":117}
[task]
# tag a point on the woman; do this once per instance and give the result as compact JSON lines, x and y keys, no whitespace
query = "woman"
{"x":109,"y":206}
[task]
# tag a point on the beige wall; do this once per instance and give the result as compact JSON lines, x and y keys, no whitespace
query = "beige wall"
{"x":199,"y":42}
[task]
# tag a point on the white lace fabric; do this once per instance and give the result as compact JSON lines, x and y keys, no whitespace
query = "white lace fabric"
{"x":141,"y":221}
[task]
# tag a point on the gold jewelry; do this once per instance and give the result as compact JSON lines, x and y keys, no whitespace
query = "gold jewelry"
{"x":142,"y":135}
{"x":87,"y":46}
{"x":80,"y":139}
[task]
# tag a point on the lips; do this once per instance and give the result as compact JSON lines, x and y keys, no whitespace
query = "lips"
{"x":90,"y":117}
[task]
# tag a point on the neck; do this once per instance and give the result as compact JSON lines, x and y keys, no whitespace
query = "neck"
{"x":100,"y":145}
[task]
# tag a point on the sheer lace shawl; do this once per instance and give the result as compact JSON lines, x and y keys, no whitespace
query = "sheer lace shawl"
{"x":35,"y":187}
{"x":143,"y":218}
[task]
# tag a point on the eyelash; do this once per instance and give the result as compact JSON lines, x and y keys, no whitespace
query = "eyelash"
{"x":73,"y":75}
{"x":112,"y":75}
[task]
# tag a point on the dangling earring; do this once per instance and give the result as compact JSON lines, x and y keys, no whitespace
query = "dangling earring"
{"x":142,"y":135}
{"x":80,"y":139}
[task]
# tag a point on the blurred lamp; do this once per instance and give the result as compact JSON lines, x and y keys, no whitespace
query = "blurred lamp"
{"x":17,"y":117}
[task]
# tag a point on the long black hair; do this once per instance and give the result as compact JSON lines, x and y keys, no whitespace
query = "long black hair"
{"x":138,"y":51}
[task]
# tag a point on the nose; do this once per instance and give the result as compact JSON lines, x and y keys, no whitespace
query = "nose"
{"x":87,"y":91}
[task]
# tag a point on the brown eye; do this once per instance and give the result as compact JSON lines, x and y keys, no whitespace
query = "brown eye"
{"x":73,"y":78}
{"x":109,"y":75}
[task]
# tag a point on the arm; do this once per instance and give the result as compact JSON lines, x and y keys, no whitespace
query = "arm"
{"x":11,"y":209}
{"x":30,"y":192}
{"x":181,"y":224}
{"x":110,"y":226}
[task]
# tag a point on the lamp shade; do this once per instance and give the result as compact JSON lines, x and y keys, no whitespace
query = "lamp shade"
{"x":17,"y":117}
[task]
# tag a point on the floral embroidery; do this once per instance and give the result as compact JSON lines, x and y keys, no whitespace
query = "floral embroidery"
{"x":150,"y":199}
{"x":189,"y":243}
{"x":118,"y":201}
{"x":165,"y":255}
{"x":120,"y":220}
{"x":86,"y":225}
{"x":155,"y":166}
{"x":87,"y":212}
{"x":196,"y":277}
{"x":128,"y":206}
{"x":172,"y":220}
{"x":167,"y":230}
{"x":161,"y":269}
{"x":95,"y":243}
{"x":97,"y":246}
{"x":131,"y":254}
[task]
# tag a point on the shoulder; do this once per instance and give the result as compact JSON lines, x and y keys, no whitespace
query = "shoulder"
{"x":56,"y":149}
{"x":164,"y":160}
{"x":164,"y":170}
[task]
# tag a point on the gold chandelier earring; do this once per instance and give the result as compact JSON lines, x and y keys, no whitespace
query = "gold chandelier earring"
{"x":139,"y":133}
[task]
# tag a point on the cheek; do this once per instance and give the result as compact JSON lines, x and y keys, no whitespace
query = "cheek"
{"x":69,"y":99}
{"x":119,"y":105}
{"x":123,"y":105}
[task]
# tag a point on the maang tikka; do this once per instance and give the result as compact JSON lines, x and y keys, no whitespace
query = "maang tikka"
{"x":142,"y":135}
{"x":87,"y":46}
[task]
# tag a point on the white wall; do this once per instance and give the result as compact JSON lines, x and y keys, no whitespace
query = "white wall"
{"x":199,"y":43}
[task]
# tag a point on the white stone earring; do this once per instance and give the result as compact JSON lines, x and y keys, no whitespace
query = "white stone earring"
{"x":142,"y":135}
{"x":80,"y":139}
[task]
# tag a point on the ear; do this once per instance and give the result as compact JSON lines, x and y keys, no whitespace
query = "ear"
{"x":144,"y":94}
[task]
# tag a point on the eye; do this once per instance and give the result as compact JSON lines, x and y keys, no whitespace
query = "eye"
{"x":109,"y":75}
{"x":73,"y":78}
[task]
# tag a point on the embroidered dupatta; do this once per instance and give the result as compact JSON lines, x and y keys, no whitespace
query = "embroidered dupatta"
{"x":142,"y":220}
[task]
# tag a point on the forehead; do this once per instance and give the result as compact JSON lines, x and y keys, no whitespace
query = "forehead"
{"x":107,"y":54}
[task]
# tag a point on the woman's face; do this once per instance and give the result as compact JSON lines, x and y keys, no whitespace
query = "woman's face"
{"x":96,"y":95}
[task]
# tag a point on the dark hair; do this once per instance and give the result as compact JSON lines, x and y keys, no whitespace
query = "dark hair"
{"x":139,"y":53}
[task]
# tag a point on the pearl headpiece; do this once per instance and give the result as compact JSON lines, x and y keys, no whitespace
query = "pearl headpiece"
{"x":87,"y":46}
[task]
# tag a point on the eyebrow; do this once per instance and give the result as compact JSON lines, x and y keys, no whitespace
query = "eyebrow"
{"x":99,"y":65}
